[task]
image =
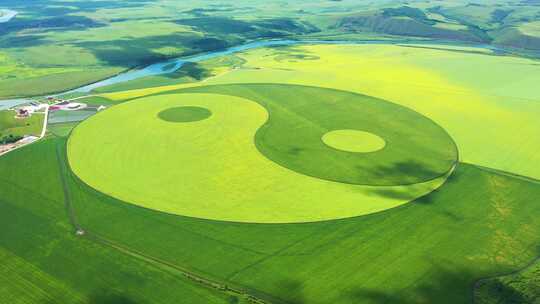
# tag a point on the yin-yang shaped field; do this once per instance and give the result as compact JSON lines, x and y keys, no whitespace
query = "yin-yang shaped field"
{"x":346,"y":173}
{"x":262,"y":153}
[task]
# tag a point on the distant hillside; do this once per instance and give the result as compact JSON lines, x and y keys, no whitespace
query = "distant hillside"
{"x":513,"y":37}
{"x":531,"y":2}
{"x":405,"y":21}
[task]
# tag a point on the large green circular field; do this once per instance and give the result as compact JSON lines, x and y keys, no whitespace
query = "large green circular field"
{"x":262,"y":153}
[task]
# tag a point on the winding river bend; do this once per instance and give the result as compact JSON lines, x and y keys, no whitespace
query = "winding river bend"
{"x":6,"y":15}
{"x":171,"y":65}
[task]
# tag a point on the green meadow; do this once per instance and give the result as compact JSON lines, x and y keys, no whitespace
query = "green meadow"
{"x":478,"y":234}
{"x":43,"y":261}
{"x":517,"y":287}
{"x":398,"y":164}
{"x":54,"y":45}
{"x":453,"y":236}
{"x":476,"y":224}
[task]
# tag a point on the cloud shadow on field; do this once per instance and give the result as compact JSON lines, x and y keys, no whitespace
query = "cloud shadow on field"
{"x":496,"y":290}
{"x":102,"y":297}
{"x":218,"y":25}
{"x":63,"y":7}
{"x":295,"y":151}
{"x":394,"y":194}
{"x":259,"y":28}
{"x":440,"y":284}
{"x":294,"y":288}
{"x":140,"y":51}
{"x":190,"y":69}
{"x":454,"y":177}
{"x":456,"y":180}
{"x":62,"y":23}
{"x":408,"y":168}
{"x":430,"y":200}
{"x":22,"y":41}
{"x":110,"y":297}
{"x":443,"y":282}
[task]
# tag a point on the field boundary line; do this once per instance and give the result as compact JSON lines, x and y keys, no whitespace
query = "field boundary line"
{"x":500,"y":275}
{"x":276,"y":253}
{"x":222,"y":287}
{"x":100,"y":195}
{"x":188,"y":90}
{"x":197,"y":278}
{"x":67,"y":196}
{"x":506,"y":173}
{"x":532,"y":262}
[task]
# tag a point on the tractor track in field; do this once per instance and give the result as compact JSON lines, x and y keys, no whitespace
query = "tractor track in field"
{"x":476,"y":284}
{"x":253,"y":297}
{"x":506,"y":173}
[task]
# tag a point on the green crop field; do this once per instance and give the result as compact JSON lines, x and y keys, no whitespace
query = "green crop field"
{"x":223,"y":145}
{"x":484,"y":218}
{"x":44,"y":262}
{"x":251,"y":255}
{"x":56,"y":45}
{"x":382,"y":152}
{"x":443,"y":265}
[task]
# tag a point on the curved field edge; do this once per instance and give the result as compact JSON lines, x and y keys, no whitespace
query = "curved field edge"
{"x":375,"y":198}
{"x":521,"y":286}
{"x":510,"y":197}
{"x":311,"y":111}
{"x":251,"y":255}
{"x":43,"y":261}
{"x":445,"y":86}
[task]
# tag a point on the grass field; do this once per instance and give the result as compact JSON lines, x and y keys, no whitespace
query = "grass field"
{"x":53,"y":82}
{"x":61,"y":129}
{"x":44,"y":262}
{"x":519,"y":287}
{"x":312,"y":112}
{"x":480,"y":223}
{"x":189,"y":72}
{"x":449,"y":87}
{"x":235,"y":179}
{"x":475,"y":213}
{"x":44,"y":50}
{"x":86,"y":41}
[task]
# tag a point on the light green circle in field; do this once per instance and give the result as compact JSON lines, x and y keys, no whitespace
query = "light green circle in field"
{"x":212,"y":168}
{"x":184,"y":114}
{"x":353,"y":141}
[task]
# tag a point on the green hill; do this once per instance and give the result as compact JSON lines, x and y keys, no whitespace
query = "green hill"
{"x":404,"y":26}
{"x":513,"y":37}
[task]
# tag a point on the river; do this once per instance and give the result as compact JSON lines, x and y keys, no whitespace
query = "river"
{"x":6,"y":15}
{"x":171,"y":65}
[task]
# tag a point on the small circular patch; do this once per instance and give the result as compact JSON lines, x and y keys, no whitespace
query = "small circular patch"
{"x":353,"y":141}
{"x":184,"y":114}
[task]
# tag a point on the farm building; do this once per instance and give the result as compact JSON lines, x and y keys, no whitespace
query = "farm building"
{"x":23,"y":113}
